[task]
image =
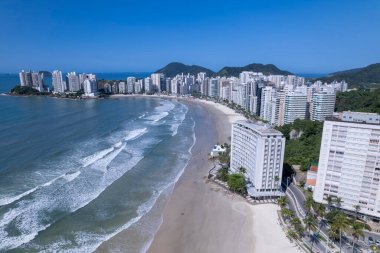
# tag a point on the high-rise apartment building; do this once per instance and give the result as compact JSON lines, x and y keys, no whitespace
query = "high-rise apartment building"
{"x":122,"y":87}
{"x":214,"y":88}
{"x":157,"y":82}
{"x":259,"y":149}
{"x":148,"y":85}
{"x":322,"y":105}
{"x":26,"y":78}
{"x":90,"y":86}
{"x":130,"y":84}
{"x":37,"y":81}
{"x":73,"y":81}
{"x":268,"y":104}
{"x":349,"y":163}
{"x":295,"y":107}
{"x":58,"y":85}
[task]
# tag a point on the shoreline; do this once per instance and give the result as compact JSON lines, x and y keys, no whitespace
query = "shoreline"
{"x":201,"y":216}
{"x":195,"y":215}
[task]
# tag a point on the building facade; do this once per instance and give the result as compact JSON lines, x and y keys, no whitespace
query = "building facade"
{"x":323,"y":104}
{"x":349,"y":165}
{"x":73,"y":80}
{"x":260,"y":150}
{"x":58,"y":85}
{"x":295,"y":107}
{"x":90,"y":86}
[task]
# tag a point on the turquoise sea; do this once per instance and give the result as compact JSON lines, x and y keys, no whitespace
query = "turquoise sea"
{"x":73,"y":173}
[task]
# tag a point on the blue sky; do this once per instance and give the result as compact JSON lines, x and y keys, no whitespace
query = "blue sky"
{"x":309,"y":36}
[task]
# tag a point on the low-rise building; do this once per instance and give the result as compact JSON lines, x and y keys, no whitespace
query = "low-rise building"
{"x":217,"y":150}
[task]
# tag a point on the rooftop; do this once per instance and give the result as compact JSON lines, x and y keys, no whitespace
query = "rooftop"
{"x":260,"y":127}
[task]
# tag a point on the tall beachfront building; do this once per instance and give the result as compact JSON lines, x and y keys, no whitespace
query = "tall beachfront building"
{"x":130,"y":84}
{"x":73,"y":80}
{"x":349,"y":162}
{"x":37,"y":81}
{"x":260,"y":150}
{"x":26,"y":78}
{"x":90,"y":86}
{"x":214,"y":88}
{"x":58,"y":84}
{"x":322,"y":105}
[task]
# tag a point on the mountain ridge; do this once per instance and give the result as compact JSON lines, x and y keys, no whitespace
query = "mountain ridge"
{"x":365,"y":77}
{"x":175,"y":68}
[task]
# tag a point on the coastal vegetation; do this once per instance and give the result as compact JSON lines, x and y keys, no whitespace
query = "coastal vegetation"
{"x":236,"y":183}
{"x":304,"y":149}
{"x":356,"y":78}
{"x":362,"y":100}
{"x":24,"y":90}
{"x":29,"y":91}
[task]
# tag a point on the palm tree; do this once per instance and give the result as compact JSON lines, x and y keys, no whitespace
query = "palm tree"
{"x":338,"y":202}
{"x":333,"y":232}
{"x":296,"y":222}
{"x":341,"y":223}
{"x":357,"y":231}
{"x":282,"y":201}
{"x":242,"y":170}
{"x":309,"y":203}
{"x":287,"y":213}
{"x":310,"y":222}
{"x":329,"y":201}
{"x":321,"y":211}
{"x":314,"y":238}
{"x":357,"y":210}
{"x":292,"y":234}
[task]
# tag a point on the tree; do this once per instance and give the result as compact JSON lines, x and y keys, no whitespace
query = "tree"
{"x":314,"y":238}
{"x":293,"y":234}
{"x":338,"y":202}
{"x":222,"y":174}
{"x":357,"y":210}
{"x":341,"y":223}
{"x":236,"y":183}
{"x":242,"y":170}
{"x":282,"y":201}
{"x":330,"y":201}
{"x":333,"y":232}
{"x":310,"y":222}
{"x":357,"y":230}
{"x":287,"y":213}
{"x":296,"y":223}
{"x":320,"y":209}
{"x":309,"y":203}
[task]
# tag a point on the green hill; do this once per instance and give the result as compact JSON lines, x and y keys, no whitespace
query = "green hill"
{"x":255,"y":67}
{"x":362,"y":100}
{"x":177,"y":68}
{"x":366,"y":77}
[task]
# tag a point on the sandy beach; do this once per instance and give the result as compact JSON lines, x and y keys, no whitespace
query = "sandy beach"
{"x":202,"y":217}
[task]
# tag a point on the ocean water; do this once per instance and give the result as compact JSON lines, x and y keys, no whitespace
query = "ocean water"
{"x":74,"y":173}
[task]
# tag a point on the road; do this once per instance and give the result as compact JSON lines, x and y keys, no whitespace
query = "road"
{"x":297,"y":205}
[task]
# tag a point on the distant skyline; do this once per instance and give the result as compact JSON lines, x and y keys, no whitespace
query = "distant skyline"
{"x":318,"y":36}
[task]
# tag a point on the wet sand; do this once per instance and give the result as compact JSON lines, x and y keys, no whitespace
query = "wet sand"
{"x":200,"y":216}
